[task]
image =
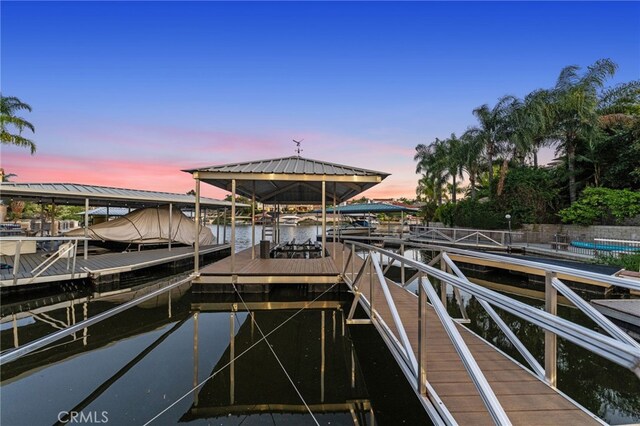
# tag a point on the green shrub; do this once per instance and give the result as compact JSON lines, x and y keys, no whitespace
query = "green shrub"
{"x":630,"y":262}
{"x":471,"y":214}
{"x":602,"y":206}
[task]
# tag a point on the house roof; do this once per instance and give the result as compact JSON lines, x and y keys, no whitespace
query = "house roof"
{"x":293,"y":180}
{"x":75,"y":194}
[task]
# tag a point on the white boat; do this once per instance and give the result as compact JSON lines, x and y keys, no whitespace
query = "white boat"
{"x":357,"y":227}
{"x":148,"y":226}
{"x":289,"y":220}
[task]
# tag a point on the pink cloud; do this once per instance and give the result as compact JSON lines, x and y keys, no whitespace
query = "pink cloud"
{"x":151,"y":157}
{"x":136,"y":174}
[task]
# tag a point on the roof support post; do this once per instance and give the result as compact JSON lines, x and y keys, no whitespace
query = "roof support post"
{"x":233,"y":225}
{"x":253,"y":221}
{"x":218,"y":226}
{"x":54,"y":229}
{"x":550,"y":339}
{"x":334,"y":221}
{"x":324,"y":217}
{"x":171,"y":227}
{"x":196,"y":244}
{"x":224,"y":226}
{"x":42,"y":215}
{"x":86,"y":230}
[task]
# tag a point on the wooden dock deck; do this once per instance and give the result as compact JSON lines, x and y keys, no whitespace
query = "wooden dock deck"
{"x":526,"y":399}
{"x":271,"y":271}
{"x":96,"y":265}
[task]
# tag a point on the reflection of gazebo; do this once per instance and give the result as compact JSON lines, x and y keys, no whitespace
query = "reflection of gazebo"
{"x":288,"y":180}
{"x":248,"y":380}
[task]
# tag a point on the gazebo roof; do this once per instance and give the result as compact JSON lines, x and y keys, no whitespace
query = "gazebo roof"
{"x":293,"y":180}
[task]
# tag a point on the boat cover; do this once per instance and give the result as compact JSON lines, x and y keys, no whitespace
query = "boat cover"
{"x":148,"y":226}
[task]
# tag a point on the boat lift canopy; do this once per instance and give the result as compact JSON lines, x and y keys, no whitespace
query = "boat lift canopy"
{"x":370,"y":208}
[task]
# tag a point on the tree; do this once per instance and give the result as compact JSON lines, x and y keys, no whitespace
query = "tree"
{"x":491,"y":129}
{"x":432,"y":163}
{"x":471,"y":146}
{"x":575,"y":102}
{"x":454,"y":161}
{"x":9,"y":106}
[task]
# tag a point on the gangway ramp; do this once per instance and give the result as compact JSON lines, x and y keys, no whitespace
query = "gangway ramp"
{"x":521,"y":395}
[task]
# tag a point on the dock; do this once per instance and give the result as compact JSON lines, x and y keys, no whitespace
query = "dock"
{"x":262,"y":273}
{"x":526,"y":399}
{"x":100,"y":267}
{"x":626,"y":311}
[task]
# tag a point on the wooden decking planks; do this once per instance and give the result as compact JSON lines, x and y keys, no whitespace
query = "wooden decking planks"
{"x":525,"y":399}
{"x":255,"y":271}
{"x":97,"y":264}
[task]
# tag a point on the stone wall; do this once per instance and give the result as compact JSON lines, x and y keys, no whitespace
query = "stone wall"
{"x":545,"y":233}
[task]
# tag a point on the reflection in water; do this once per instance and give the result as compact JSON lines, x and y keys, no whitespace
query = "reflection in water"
{"x":148,"y":359}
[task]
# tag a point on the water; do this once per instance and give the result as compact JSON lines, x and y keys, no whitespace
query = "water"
{"x":140,"y":362}
{"x":170,"y":360}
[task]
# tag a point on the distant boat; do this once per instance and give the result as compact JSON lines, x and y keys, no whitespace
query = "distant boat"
{"x":357,"y":227}
{"x":289,"y":220}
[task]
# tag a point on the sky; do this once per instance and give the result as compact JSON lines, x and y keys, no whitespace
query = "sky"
{"x":127,"y":94}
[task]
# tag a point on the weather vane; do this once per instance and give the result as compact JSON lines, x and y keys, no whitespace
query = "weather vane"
{"x":298,"y":149}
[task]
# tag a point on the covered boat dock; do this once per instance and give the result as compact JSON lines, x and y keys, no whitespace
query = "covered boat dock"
{"x":287,"y":180}
{"x":22,"y":268}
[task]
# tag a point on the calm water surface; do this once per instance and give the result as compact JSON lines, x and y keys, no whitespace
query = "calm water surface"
{"x":169,"y":359}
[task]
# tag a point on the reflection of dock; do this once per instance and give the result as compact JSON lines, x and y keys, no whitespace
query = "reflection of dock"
{"x":108,"y":265}
{"x":248,"y":380}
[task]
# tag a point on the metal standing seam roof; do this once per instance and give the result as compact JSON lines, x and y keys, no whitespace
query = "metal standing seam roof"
{"x":371,"y":208}
{"x":291,"y":165}
{"x":291,"y":180}
{"x":75,"y":194}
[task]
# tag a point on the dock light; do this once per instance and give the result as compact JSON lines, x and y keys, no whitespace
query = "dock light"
{"x":508,"y":217}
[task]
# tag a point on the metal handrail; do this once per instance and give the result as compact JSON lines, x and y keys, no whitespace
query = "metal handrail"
{"x":547,"y":267}
{"x":486,"y":393}
{"x":45,"y":264}
{"x":614,"y":350}
{"x":593,"y":313}
{"x":403,"y":344}
{"x":531,"y":360}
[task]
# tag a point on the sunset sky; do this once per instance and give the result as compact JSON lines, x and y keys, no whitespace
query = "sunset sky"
{"x":127,"y":94}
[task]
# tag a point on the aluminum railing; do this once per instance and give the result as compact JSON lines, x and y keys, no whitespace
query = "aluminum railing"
{"x":68,"y":250}
{"x":617,"y":347}
{"x":470,"y":237}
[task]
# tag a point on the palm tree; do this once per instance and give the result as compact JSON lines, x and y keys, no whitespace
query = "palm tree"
{"x":9,"y":106}
{"x":454,"y":162}
{"x":575,"y":104}
{"x":471,"y":146}
{"x":491,"y":129}
{"x":432,"y":165}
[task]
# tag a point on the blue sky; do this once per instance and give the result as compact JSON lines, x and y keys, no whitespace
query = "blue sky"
{"x":129,"y":93}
